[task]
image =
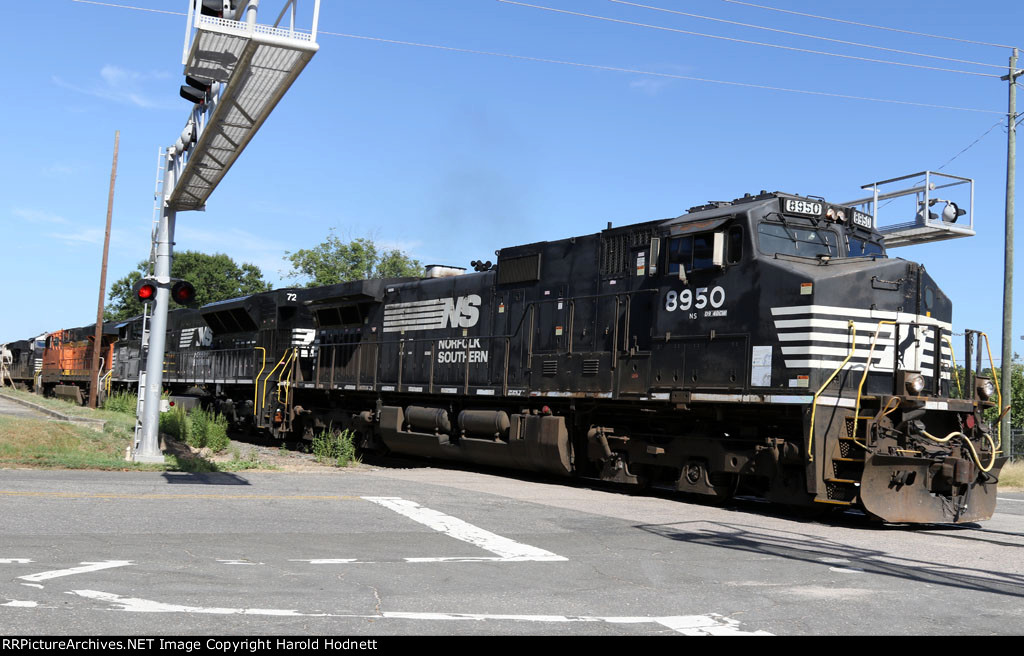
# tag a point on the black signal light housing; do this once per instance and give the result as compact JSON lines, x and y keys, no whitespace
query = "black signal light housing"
{"x":183,"y":292}
{"x":145,"y":290}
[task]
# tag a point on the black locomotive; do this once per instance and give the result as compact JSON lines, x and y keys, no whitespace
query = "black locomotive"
{"x":764,"y":346}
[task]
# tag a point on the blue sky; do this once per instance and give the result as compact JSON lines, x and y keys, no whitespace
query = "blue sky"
{"x":449,"y":154}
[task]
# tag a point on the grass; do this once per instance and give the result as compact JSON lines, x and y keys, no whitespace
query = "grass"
{"x":335,"y":446}
{"x":198,"y":428}
{"x":46,"y":444}
{"x":1012,"y":475}
{"x":59,"y":445}
{"x":122,"y":402}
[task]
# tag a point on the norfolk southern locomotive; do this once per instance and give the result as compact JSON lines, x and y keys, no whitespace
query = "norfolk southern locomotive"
{"x":763,"y":346}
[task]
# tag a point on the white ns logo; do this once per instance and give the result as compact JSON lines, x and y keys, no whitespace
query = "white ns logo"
{"x":462,"y":312}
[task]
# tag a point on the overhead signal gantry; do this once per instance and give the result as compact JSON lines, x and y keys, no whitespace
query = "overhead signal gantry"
{"x":237,"y":70}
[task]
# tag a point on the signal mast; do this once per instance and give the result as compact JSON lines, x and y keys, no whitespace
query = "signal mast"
{"x":236,"y":71}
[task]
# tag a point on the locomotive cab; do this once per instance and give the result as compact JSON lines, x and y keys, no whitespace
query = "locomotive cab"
{"x":784,"y":326}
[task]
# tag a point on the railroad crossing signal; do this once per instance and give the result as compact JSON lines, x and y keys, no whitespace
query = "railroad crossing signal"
{"x":237,"y":71}
{"x":195,"y":90}
{"x":145,"y":290}
{"x":182,"y":291}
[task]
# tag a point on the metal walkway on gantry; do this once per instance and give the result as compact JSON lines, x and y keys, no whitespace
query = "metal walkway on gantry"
{"x":250,"y":66}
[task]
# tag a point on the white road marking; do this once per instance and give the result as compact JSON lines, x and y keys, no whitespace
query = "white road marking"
{"x":237,"y":562}
{"x":1006,"y":499}
{"x":21,"y":604}
{"x":711,"y":624}
{"x":328,"y":561}
{"x":507,"y":550}
{"x":846,"y":570}
{"x":11,"y":561}
{"x":89,"y":567}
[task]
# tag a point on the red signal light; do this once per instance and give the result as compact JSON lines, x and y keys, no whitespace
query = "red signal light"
{"x":146,"y":292}
{"x":183,"y":292}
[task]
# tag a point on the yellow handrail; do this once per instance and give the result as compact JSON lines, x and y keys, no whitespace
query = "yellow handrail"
{"x":263,"y":398}
{"x":814,"y":404}
{"x":288,"y":378}
{"x":256,"y":389}
{"x":952,"y":356}
{"x":999,"y":395}
{"x":864,"y":377}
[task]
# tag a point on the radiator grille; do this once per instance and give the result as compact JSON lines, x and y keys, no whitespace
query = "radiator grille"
{"x":615,"y":250}
{"x":525,"y":268}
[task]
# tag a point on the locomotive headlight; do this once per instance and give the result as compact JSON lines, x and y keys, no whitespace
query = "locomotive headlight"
{"x":836,"y":214}
{"x":985,"y":389}
{"x":914,"y":383}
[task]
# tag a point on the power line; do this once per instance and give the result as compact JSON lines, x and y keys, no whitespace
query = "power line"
{"x":802,"y":34}
{"x":950,"y":160}
{"x":109,"y":4}
{"x":613,"y":68}
{"x":656,"y":74}
{"x":746,"y":41}
{"x":994,"y":125}
{"x":877,"y":27}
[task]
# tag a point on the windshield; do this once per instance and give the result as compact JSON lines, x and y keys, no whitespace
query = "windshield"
{"x":860,"y":247}
{"x":791,"y":239}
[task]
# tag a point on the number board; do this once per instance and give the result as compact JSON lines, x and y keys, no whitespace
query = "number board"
{"x":801,"y":206}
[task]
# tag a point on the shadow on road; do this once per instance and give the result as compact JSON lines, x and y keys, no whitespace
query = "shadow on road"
{"x":822,"y":551}
{"x":211,"y":478}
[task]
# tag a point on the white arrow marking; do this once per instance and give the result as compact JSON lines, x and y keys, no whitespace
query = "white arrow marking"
{"x":504,"y":548}
{"x":711,"y":624}
{"x":89,"y":567}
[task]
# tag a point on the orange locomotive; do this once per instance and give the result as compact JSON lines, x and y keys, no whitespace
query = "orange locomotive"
{"x":67,"y":361}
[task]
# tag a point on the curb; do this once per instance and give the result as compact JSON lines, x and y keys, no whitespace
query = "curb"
{"x":95,"y":424}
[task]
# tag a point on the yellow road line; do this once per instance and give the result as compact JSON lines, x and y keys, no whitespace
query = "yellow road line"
{"x":259,"y":497}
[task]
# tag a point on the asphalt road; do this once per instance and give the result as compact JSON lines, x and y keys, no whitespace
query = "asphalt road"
{"x":426,"y":551}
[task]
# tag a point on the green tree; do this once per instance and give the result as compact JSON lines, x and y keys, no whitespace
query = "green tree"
{"x":334,"y":261}
{"x":216,"y":278}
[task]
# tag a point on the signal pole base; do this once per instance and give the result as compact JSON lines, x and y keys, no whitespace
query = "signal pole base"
{"x":149,"y":459}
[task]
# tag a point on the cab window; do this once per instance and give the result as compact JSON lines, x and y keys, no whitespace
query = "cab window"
{"x":696,"y":252}
{"x":859,"y":247}
{"x":796,"y":238}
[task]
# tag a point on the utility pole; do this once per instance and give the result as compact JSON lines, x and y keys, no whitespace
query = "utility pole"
{"x":98,"y":336}
{"x":1006,"y":363}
